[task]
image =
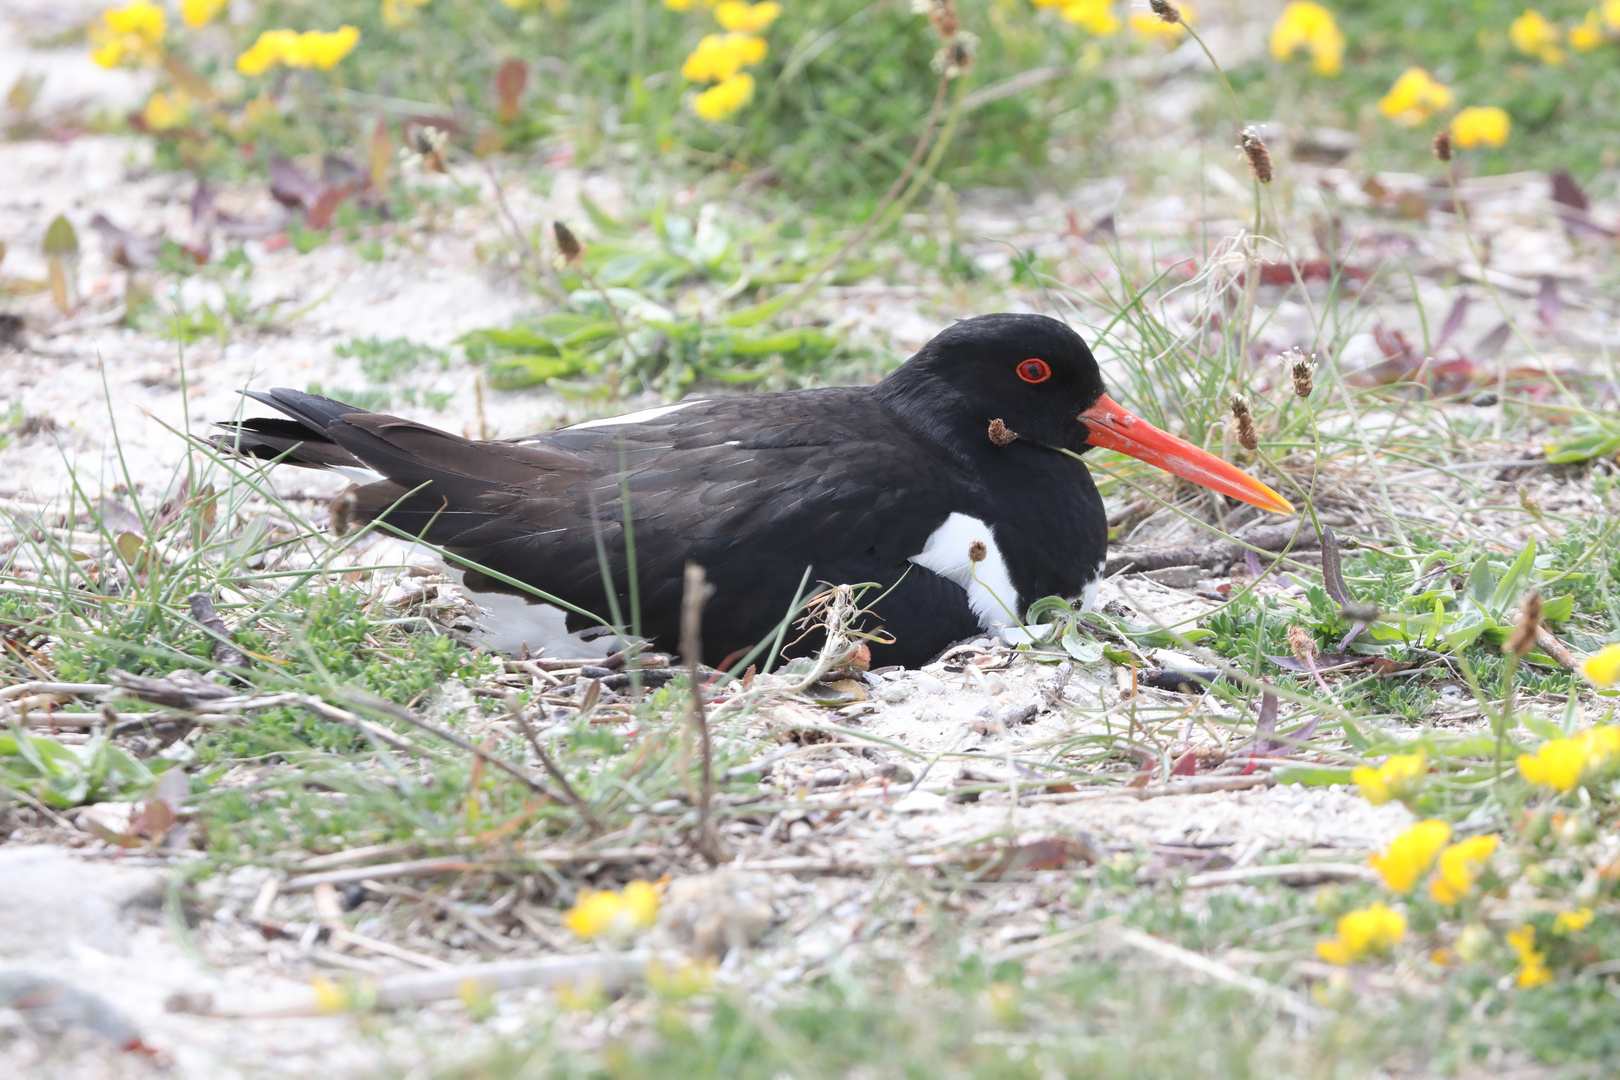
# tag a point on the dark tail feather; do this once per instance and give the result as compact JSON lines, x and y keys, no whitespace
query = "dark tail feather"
{"x":303,"y":440}
{"x":289,"y":441}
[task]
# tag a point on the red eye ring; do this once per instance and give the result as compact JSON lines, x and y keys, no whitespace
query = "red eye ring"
{"x":1034,"y":371}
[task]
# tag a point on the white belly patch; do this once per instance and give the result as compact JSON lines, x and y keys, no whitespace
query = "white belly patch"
{"x":512,"y":622}
{"x":989,"y":587}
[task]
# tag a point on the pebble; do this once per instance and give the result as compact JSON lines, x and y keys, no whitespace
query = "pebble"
{"x":927,"y":684}
{"x":895,"y":693}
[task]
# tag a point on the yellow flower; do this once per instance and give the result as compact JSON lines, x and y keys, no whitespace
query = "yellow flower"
{"x":686,"y":5}
{"x":613,"y":914}
{"x":163,"y":112}
{"x":1391,"y":780}
{"x":720,"y":56}
{"x":267,"y":52}
{"x":1533,"y":35}
{"x":1603,"y":667}
{"x":401,"y":12}
{"x":1411,"y":854}
{"x":132,"y":32}
{"x":1588,"y":34}
{"x":1611,"y":14}
{"x":195,"y":13}
{"x":1532,"y":962}
{"x":1481,"y":126}
{"x":322,"y":49}
{"x":312,"y":48}
{"x":1560,"y":763}
{"x":1096,"y":16}
{"x":1310,"y":26}
{"x":1572,"y":922}
{"x":1367,"y":932}
{"x":1457,"y":867}
{"x":744,"y":17}
{"x":1414,"y":98}
{"x":725,"y":97}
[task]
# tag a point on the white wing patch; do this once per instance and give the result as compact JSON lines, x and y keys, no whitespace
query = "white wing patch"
{"x":989,"y":587}
{"x":641,"y":417}
{"x":358,"y":473}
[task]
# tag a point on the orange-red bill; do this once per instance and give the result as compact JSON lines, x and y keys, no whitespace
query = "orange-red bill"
{"x":1115,"y":427}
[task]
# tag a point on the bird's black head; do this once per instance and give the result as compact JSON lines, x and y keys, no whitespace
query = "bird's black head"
{"x":1038,"y":378}
{"x":1031,"y":372}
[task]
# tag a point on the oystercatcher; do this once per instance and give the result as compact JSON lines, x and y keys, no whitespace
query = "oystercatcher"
{"x":943,"y":484}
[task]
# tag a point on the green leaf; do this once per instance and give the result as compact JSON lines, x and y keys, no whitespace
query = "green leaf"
{"x":1083,"y":650}
{"x":60,"y":240}
{"x":1597,"y":443}
{"x":1507,"y":590}
{"x":1310,"y":775}
{"x":1352,"y":735}
{"x":749,"y":317}
{"x":1481,"y":582}
{"x":1047,"y":609}
{"x":510,"y":372}
{"x":1558,"y":610}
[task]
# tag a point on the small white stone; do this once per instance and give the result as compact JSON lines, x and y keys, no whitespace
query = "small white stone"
{"x":895,"y":693}
{"x":919,"y":802}
{"x":927,"y":684}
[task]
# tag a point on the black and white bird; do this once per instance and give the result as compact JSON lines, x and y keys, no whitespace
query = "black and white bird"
{"x":955,"y":455}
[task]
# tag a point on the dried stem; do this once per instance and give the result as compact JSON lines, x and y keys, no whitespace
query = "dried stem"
{"x":524,"y":244}
{"x":697,"y":593}
{"x":570,"y":795}
{"x":401,"y":713}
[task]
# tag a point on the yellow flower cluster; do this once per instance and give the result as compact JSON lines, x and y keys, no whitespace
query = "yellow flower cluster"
{"x":1411,"y":854}
{"x":615,"y":915}
{"x":1098,"y":17}
{"x":1458,"y":866}
{"x":195,"y":13}
{"x":1415,"y":97}
{"x":744,"y":18}
{"x":720,"y":58}
{"x":1481,"y":125}
{"x":1369,"y":931}
{"x":1533,"y":969}
{"x":398,"y":13}
{"x":1309,"y":26}
{"x":1424,"y":845}
{"x":164,"y":112}
{"x":1394,"y":779}
{"x":1561,"y":764}
{"x":312,"y":48}
{"x":1095,"y":16}
{"x":1603,"y":667}
{"x":129,"y":34}
{"x":1534,"y":35}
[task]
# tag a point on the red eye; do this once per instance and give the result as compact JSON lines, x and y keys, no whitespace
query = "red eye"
{"x":1034,"y":371}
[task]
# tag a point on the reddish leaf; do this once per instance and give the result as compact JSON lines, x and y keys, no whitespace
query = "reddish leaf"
{"x":1328,"y":661}
{"x":291,"y":186}
{"x":510,"y":79}
{"x":1492,"y":343}
{"x":1454,"y":321}
{"x":1186,"y":764}
{"x":1548,"y":303}
{"x":124,"y":247}
{"x":1332,"y":575}
{"x":1566,"y":192}
{"x":320,"y":214}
